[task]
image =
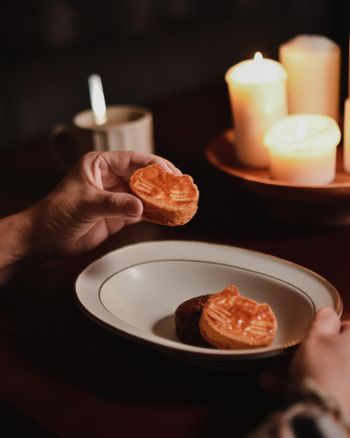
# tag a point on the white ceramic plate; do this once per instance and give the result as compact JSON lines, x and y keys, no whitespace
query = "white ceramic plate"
{"x":135,"y":291}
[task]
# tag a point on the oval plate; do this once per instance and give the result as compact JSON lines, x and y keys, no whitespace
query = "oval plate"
{"x":135,"y":291}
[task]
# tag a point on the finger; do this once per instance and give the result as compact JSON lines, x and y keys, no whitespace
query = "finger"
{"x":127,"y":206}
{"x":326,"y":323}
{"x":107,"y":170}
{"x":140,"y":160}
{"x":124,"y":163}
{"x":171,"y":167}
{"x":116,"y":205}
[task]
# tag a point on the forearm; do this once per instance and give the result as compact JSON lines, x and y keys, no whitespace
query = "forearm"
{"x":16,"y":239}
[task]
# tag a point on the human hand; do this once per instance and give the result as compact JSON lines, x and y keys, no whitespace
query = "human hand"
{"x":324,"y":357}
{"x":90,"y":204}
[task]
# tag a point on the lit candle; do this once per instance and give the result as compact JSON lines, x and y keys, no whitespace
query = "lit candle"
{"x":312,"y":63}
{"x":302,"y":149}
{"x":258,"y":98}
{"x":346,"y":136}
{"x":346,"y":132}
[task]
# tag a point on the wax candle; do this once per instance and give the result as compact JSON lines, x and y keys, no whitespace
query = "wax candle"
{"x":346,"y":136}
{"x":302,"y":149}
{"x":258,"y":96}
{"x":312,"y":63}
{"x":346,"y":126}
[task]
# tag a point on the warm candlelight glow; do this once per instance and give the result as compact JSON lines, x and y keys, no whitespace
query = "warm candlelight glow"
{"x":301,"y":129}
{"x":346,"y":125}
{"x":302,"y":149}
{"x":346,"y":136}
{"x":312,"y":63}
{"x":258,"y":97}
{"x":256,"y":70}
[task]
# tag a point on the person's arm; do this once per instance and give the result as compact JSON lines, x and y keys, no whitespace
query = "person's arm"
{"x":319,"y":386}
{"x":15,"y":244}
{"x":89,"y":205}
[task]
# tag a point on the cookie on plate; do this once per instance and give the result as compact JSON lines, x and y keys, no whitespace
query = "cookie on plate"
{"x":231,"y":321}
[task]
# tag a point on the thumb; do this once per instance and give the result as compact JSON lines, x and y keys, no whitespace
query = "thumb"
{"x":117,"y":205}
{"x":326,"y":323}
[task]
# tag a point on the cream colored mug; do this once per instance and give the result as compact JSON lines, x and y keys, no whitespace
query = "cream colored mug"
{"x":128,"y":127}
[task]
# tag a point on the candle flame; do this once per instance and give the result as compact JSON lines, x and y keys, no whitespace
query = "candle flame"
{"x":97,"y":99}
{"x":258,"y":56}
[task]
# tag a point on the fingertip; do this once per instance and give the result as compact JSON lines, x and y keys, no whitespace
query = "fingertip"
{"x":177,"y":171}
{"x":326,"y":322}
{"x":133,"y":207}
{"x":172,"y":167}
{"x":174,"y":170}
{"x":168,"y":166}
{"x":326,"y":312}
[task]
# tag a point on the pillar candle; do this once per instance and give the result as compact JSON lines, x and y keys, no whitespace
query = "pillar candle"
{"x":312,"y":63}
{"x":346,"y":131}
{"x":302,"y":149}
{"x":258,"y":96}
{"x":346,"y":136}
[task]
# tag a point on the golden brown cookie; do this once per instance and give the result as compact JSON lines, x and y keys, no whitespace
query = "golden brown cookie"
{"x":231,"y":321}
{"x":167,"y":199}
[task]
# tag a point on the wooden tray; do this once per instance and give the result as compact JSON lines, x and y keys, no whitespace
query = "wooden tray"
{"x":305,"y":204}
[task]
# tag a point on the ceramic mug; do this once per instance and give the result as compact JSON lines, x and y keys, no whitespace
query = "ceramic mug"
{"x":128,"y":127}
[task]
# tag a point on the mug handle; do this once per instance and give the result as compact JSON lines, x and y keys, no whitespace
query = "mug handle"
{"x":64,"y":146}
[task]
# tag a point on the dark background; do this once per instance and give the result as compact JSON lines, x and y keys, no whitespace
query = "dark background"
{"x":58,"y":367}
{"x":145,"y":50}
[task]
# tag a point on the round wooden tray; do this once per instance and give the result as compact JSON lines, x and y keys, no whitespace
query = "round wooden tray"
{"x":305,"y":204}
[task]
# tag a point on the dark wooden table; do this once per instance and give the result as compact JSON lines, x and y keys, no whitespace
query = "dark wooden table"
{"x":63,"y":375}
